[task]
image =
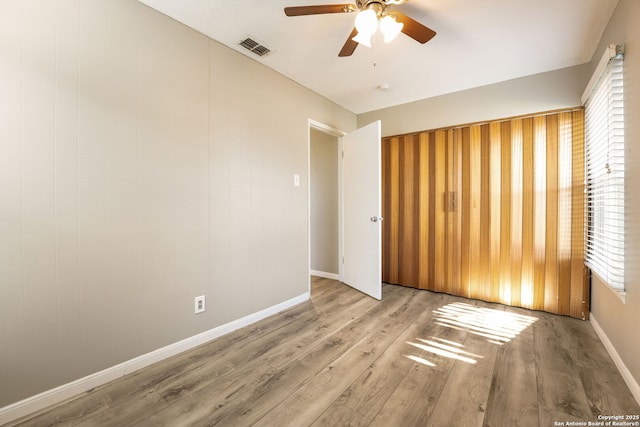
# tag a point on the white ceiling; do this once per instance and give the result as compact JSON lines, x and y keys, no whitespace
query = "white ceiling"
{"x":478,"y":42}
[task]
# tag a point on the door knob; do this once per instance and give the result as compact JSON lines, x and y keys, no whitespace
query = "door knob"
{"x":376,"y":218}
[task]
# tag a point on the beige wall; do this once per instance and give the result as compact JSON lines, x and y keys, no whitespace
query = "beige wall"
{"x":141,"y":165}
{"x":620,"y":321}
{"x":541,"y":92}
{"x":324,"y":202}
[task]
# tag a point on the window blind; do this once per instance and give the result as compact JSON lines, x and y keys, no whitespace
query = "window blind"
{"x":604,"y":138}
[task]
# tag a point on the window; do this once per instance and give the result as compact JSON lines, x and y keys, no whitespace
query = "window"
{"x":604,"y":125}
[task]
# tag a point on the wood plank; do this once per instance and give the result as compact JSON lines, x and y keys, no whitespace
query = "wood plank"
{"x":409,"y":221}
{"x":565,"y":216}
{"x":416,"y":211}
{"x":561,"y":394}
{"x":484,"y":266}
{"x":456,"y":286}
{"x":513,"y":397}
{"x":550,"y":282}
{"x":495,"y":219}
{"x":431,"y":222}
{"x":539,"y":209}
{"x":340,"y":415}
{"x":465,"y":231}
{"x":475,"y":218}
{"x":424,"y":254}
{"x":449,"y":212}
{"x":560,"y":390}
{"x":517,"y":182}
{"x":403,"y":227}
{"x":528,"y":193}
{"x":385,"y":176}
{"x":394,"y":213}
{"x":505,"y":214}
{"x":439,"y":211}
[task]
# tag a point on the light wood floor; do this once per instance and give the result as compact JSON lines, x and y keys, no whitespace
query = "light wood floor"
{"x":343,"y":359}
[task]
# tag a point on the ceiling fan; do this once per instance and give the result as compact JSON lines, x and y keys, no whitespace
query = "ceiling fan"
{"x":372,"y":14}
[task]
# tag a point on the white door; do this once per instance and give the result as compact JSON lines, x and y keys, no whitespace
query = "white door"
{"x":361,"y":207}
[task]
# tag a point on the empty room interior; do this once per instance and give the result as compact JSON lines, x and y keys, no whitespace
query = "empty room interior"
{"x":378,"y":213}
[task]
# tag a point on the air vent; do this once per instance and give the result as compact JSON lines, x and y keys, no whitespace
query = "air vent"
{"x":254,"y":47}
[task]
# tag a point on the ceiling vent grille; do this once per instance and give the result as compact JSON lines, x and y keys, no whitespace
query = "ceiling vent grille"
{"x":254,"y":47}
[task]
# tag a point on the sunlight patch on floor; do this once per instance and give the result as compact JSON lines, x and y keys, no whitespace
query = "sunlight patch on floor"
{"x":420,"y":360}
{"x":499,"y":327}
{"x":445,"y":351}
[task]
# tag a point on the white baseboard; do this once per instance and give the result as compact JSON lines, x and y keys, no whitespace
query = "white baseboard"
{"x":324,"y":274}
{"x":624,"y":371}
{"x":50,"y":397}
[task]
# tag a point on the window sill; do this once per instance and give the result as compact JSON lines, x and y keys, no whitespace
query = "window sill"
{"x":620,"y":294}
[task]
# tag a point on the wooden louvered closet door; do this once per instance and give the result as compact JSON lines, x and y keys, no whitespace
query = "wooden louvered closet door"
{"x":490,"y":211}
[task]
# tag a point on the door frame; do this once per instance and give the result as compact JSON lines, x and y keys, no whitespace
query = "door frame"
{"x":329,"y":130}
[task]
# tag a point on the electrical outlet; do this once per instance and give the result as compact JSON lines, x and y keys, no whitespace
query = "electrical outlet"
{"x":199,"y":306}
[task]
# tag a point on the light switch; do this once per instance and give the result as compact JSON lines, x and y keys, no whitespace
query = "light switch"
{"x":296,"y":180}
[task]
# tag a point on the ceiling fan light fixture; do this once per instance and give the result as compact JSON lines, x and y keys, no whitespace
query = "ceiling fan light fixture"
{"x":390,"y":28}
{"x":371,"y":15}
{"x":363,"y":39}
{"x":367,"y":22}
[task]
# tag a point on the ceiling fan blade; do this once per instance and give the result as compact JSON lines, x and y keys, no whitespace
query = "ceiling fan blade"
{"x":319,"y":9}
{"x":414,"y":29}
{"x":350,"y":45}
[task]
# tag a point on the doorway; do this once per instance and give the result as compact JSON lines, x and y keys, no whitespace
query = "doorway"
{"x":359,"y":207}
{"x":324,"y":201}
